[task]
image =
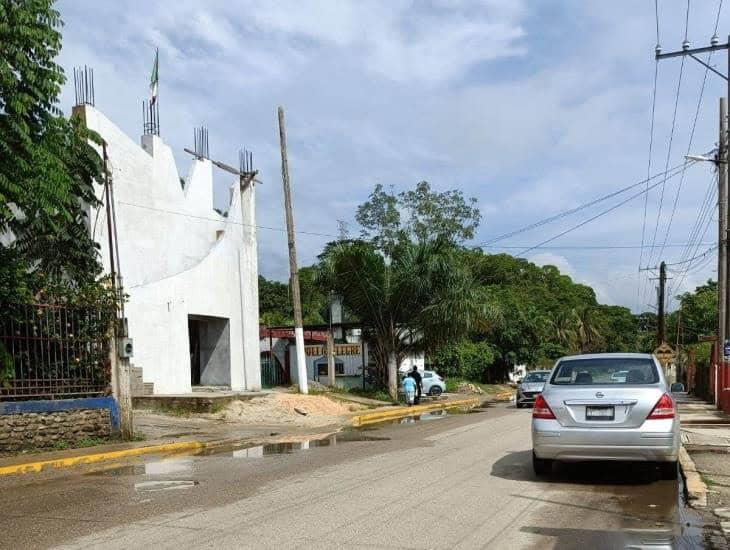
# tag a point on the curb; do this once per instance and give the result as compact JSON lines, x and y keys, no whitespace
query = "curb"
{"x":695,"y":487}
{"x":402,"y":412}
{"x":34,"y":467}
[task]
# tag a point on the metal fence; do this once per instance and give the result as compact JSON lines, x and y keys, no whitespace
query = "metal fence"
{"x":51,"y":351}
{"x":272,"y":374}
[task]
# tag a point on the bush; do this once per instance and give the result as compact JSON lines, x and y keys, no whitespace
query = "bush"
{"x":469,"y":360}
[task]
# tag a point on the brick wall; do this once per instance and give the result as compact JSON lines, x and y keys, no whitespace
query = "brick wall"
{"x":44,"y":430}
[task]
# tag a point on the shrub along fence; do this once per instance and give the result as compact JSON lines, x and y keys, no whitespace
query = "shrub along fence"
{"x":55,"y":375}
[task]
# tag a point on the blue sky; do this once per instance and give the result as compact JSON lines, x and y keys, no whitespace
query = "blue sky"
{"x":532,"y":107}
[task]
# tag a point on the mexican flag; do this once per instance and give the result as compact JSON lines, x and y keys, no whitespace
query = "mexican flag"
{"x":155,"y":77}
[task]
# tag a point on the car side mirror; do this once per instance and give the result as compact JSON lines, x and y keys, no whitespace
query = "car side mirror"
{"x":677,"y":387}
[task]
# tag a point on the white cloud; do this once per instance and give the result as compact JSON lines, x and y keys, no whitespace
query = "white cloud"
{"x":530,"y":108}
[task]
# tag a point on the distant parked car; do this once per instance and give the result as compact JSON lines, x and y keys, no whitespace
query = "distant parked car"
{"x":433,"y":383}
{"x":530,"y":387}
{"x":590,"y":410}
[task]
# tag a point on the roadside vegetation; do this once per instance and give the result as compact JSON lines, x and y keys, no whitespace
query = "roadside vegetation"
{"x":416,"y":285}
{"x":47,"y":171}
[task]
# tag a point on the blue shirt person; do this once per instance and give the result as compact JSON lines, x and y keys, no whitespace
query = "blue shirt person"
{"x":409,"y":387}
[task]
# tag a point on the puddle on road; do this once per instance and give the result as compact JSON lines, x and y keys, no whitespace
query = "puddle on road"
{"x":432,"y":415}
{"x":288,"y":447}
{"x":663,"y":524}
{"x":156,"y":467}
{"x":179,"y":465}
{"x":169,"y":485}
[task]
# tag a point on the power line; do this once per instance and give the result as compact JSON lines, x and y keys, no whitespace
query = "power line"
{"x":586,"y":247}
{"x":224,"y":220}
{"x":578,"y":208}
{"x":694,"y":122}
{"x":669,"y":151}
{"x":651,"y":147}
{"x":608,"y":210}
{"x":693,"y":258}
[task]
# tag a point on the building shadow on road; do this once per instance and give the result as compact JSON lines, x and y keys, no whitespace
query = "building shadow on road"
{"x":518,"y":466}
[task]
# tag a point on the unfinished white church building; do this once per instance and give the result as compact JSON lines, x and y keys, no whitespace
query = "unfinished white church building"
{"x":190,"y":272}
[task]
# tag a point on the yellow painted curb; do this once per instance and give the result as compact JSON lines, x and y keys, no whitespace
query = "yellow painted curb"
{"x":30,"y":467}
{"x":402,"y":412}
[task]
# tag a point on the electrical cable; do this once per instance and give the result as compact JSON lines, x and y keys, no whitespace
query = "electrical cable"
{"x":604,"y":212}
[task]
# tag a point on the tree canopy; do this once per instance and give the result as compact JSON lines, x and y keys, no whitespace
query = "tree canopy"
{"x":418,"y":214}
{"x":47,"y":165}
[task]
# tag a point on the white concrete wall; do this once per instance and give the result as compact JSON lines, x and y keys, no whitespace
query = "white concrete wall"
{"x":173,"y":262}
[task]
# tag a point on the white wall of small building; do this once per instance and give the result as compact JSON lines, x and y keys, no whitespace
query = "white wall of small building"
{"x":178,"y":257}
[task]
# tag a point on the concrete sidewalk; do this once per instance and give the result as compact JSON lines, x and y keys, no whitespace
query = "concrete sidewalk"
{"x":706,"y":439}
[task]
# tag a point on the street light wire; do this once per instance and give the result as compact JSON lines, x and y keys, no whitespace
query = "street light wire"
{"x":608,"y":210}
{"x":669,"y":151}
{"x":641,"y":281}
{"x":694,"y":122}
{"x":578,"y":208}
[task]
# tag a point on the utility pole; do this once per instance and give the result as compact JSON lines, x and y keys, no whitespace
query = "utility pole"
{"x":121,"y":381}
{"x":293,"y":271}
{"x":723,"y":302}
{"x":722,"y":179}
{"x":661,"y":330}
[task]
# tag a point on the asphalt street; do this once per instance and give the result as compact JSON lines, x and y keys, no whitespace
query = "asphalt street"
{"x":456,"y":481}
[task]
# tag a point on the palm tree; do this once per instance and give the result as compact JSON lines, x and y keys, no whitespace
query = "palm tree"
{"x":416,"y":299}
{"x":587,"y":330}
{"x":564,"y":327}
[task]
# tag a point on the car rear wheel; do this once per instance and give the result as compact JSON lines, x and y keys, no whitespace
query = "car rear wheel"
{"x":542,"y":466}
{"x":668,"y":470}
{"x":519,"y":405}
{"x":435,"y":391}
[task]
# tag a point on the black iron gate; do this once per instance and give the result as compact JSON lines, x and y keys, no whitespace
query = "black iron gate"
{"x":52,"y":351}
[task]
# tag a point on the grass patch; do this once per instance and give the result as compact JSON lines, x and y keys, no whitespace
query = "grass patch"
{"x":452,"y":385}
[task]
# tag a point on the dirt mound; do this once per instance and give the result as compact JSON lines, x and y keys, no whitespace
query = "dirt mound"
{"x":287,"y":408}
{"x":466,"y":387}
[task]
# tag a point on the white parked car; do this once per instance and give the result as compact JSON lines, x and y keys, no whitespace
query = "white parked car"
{"x":433,"y":384}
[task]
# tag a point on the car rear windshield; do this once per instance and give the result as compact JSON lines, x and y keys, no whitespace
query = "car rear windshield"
{"x":536,"y":377}
{"x":605,"y":371}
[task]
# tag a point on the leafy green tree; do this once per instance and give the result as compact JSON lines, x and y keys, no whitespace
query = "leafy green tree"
{"x":419,"y":298}
{"x":47,"y":166}
{"x":274,"y":303}
{"x":697,"y":314}
{"x":465,"y":359}
{"x":419,"y":214}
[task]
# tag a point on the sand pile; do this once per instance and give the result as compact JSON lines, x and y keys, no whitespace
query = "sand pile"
{"x":288,"y":408}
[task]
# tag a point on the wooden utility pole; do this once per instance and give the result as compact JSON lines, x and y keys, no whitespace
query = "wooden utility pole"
{"x":661,"y":330}
{"x":121,"y":379}
{"x":293,"y":271}
{"x":722,"y":267}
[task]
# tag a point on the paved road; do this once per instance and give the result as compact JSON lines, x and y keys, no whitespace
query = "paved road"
{"x":463,"y":481}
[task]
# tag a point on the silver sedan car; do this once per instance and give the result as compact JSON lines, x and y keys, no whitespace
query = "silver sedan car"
{"x":586,"y":413}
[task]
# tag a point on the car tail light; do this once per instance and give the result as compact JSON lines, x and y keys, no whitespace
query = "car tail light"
{"x":664,"y":408}
{"x":541,"y":409}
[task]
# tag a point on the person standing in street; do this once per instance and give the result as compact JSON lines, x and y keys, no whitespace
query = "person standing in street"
{"x":419,"y":383}
{"x":409,"y":388}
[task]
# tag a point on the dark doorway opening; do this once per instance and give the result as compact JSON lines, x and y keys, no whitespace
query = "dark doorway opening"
{"x":210,"y":351}
{"x":194,"y":339}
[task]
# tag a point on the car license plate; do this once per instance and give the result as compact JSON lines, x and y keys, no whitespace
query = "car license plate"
{"x":600,"y":413}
